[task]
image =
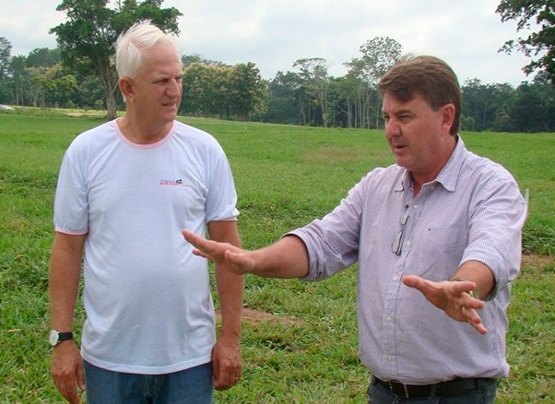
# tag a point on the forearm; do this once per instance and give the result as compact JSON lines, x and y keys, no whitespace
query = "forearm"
{"x":230,"y":289}
{"x":65,"y":273}
{"x":230,"y":285}
{"x":287,"y":258}
{"x":480,"y":274}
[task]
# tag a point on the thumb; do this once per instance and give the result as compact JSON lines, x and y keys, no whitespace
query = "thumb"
{"x":241,"y":261}
{"x":81,"y":377}
{"x":413,"y":281}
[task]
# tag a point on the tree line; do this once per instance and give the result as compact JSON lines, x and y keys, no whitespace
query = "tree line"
{"x":305,"y":95}
{"x":80,"y":73}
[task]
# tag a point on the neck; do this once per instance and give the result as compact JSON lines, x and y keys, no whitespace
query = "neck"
{"x":141,"y":132}
{"x":421,"y":178}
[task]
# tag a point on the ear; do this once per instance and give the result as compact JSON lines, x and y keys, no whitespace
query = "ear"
{"x":448,"y":116}
{"x":126,"y":88}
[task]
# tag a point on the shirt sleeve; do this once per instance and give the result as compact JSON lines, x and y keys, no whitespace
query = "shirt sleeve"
{"x":333,"y":241}
{"x":71,"y":202}
{"x":221,"y":200}
{"x":495,"y":237}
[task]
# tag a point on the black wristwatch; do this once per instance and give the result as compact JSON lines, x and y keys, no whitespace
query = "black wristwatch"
{"x":56,"y":337}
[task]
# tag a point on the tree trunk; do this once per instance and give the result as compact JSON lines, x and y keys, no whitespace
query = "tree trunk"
{"x":110,"y":82}
{"x":302,"y":112}
{"x":111,"y":105}
{"x":324,"y":107}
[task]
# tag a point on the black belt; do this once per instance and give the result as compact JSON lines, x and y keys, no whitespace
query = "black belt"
{"x":451,"y":388}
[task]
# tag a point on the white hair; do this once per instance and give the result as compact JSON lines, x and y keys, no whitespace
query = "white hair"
{"x":132,"y":45}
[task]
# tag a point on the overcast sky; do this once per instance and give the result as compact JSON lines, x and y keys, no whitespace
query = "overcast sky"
{"x":275,"y":33}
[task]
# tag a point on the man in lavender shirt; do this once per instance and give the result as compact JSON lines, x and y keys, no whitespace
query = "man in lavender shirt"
{"x":441,"y":226}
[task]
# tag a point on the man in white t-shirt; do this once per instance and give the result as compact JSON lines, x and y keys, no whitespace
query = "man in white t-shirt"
{"x":125,"y":191}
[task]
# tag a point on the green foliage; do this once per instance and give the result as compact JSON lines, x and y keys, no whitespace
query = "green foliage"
{"x":539,"y":43}
{"x":528,"y":108}
{"x":306,"y":350}
{"x":533,"y":108}
{"x":215,"y":89}
{"x":43,"y":57}
{"x":5,"y":53}
{"x":286,"y":100}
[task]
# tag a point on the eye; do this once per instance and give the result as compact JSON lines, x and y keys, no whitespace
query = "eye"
{"x":405,"y":117}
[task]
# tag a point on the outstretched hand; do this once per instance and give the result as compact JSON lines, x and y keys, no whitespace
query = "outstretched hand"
{"x":453,"y":297}
{"x":236,"y":259}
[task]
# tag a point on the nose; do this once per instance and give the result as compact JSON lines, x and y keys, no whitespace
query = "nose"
{"x":174,"y":87}
{"x":391,"y":128}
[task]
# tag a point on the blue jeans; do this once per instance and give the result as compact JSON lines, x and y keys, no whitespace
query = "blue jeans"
{"x":484,"y":394}
{"x":189,"y":386}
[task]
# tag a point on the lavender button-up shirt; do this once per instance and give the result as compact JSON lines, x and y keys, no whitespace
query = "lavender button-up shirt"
{"x":472,"y":211}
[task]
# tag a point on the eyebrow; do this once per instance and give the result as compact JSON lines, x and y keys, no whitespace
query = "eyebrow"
{"x":398,"y":112}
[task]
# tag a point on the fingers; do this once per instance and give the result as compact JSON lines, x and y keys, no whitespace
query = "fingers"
{"x":81,"y":376}
{"x":226,"y":380}
{"x":467,"y":305}
{"x":209,"y":249}
{"x":202,"y":245}
{"x":199,"y":253}
{"x":67,"y":371}
{"x":227,"y":372}
{"x":237,"y":260}
{"x":432,"y":291}
{"x":226,"y":365}
{"x":67,"y":385}
{"x":473,"y":318}
{"x":453,"y":297}
{"x":468,"y":311}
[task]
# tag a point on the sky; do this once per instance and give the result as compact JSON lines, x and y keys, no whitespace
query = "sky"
{"x":273,"y":34}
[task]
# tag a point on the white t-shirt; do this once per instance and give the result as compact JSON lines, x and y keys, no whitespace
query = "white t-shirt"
{"x":146,"y":296}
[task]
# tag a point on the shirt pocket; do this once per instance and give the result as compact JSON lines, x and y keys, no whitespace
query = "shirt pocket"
{"x":439,"y":251}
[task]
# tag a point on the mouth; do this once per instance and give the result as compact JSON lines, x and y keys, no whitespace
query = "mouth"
{"x":169,"y":105}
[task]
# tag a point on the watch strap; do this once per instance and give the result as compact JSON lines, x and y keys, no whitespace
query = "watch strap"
{"x":64,"y":336}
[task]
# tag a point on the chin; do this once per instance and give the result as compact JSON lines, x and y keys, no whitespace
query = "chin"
{"x":170,"y":114}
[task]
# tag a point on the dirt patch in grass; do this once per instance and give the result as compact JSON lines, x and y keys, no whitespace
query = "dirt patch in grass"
{"x":256,"y":317}
{"x":537,"y":261}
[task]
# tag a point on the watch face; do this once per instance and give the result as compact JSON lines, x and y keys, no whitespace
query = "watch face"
{"x":53,"y":338}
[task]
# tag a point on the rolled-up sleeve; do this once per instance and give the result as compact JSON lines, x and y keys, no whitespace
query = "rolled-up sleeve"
{"x":495,"y":237}
{"x":333,"y":241}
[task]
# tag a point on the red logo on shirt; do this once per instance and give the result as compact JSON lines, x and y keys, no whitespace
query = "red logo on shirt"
{"x":172,"y":183}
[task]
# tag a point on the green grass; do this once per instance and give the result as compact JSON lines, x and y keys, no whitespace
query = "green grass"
{"x":285,"y":177}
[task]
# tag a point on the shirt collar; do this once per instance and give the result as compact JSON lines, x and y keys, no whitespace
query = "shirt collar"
{"x":449,"y":174}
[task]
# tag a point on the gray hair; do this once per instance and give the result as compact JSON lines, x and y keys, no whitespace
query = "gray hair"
{"x":132,"y":45}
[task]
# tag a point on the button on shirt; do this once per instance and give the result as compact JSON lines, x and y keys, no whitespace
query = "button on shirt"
{"x":472,"y":211}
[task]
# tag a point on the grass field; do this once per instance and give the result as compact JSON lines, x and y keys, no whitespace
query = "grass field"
{"x":299,"y":340}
